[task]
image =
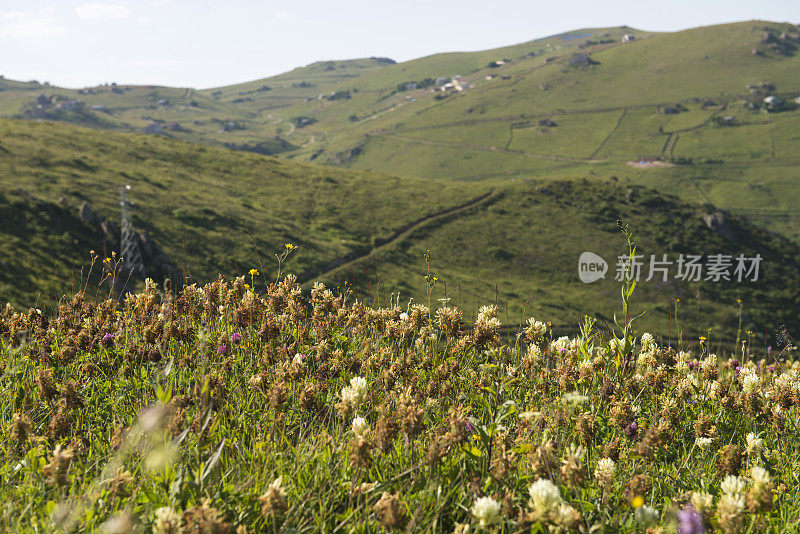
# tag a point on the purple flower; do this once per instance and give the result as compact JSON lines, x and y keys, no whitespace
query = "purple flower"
{"x":769,"y":349}
{"x":738,"y":370}
{"x":107,"y":340}
{"x":236,"y":338}
{"x":771,"y":368}
{"x":690,"y":521}
{"x":734,"y":363}
{"x":632,"y":430}
{"x":222,"y":349}
{"x":469,"y":427}
{"x":692,"y":365}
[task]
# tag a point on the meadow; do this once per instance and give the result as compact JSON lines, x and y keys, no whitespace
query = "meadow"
{"x":251,"y":406}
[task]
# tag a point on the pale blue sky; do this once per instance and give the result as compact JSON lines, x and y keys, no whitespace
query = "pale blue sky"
{"x":201,"y":43}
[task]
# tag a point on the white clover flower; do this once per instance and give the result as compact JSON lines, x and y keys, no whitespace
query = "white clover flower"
{"x":750,"y":381}
{"x":360,"y":427}
{"x":702,"y":501}
{"x":605,"y":471}
{"x":404,"y":317}
{"x":299,"y":359}
{"x":732,"y":485}
{"x":545,"y":497}
{"x":355,"y":394}
{"x":760,"y":476}
{"x":585,"y":366}
{"x":703,"y":443}
{"x":537,"y":329}
{"x":487,"y":313}
{"x":565,"y":515}
{"x":167,"y":521}
{"x":574,"y":397}
{"x":646,"y":516}
{"x":648,"y":342}
{"x":731,"y":504}
{"x":560,"y":344}
{"x":754,"y":444}
{"x":486,"y":510}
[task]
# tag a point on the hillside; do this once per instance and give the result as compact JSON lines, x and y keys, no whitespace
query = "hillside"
{"x":573,"y":105}
{"x":512,"y":242}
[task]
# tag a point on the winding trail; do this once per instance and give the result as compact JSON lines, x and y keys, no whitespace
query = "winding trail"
{"x":401,"y":234}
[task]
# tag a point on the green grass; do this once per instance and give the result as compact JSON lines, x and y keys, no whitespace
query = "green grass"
{"x":219,"y":410}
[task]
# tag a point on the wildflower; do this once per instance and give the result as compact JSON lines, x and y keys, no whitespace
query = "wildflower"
{"x":205,"y":518}
{"x":253,"y":272}
{"x":605,"y":471}
{"x":574,"y":397}
{"x":732,"y":485}
{"x":289,"y":246}
{"x":545,"y":498}
{"x":646,"y":516}
{"x":107,"y":340}
{"x":754,"y":444}
{"x":703,"y":442}
{"x":354,"y":394}
{"x":168,"y":521}
{"x":729,"y":510}
{"x":274,"y":499}
{"x":690,"y":521}
{"x":119,"y":523}
{"x":632,"y":430}
{"x":702,"y":501}
{"x":389,"y":513}
{"x":299,"y":359}
{"x":750,"y":381}
{"x":760,"y":476}
{"x":648,"y":342}
{"x":486,"y":510}
{"x":566,"y":516}
{"x":759,"y":498}
{"x":56,"y":471}
{"x":360,"y":427}
{"x":535,"y":331}
{"x":236,"y":338}
{"x":222,"y":349}
{"x":571,"y":468}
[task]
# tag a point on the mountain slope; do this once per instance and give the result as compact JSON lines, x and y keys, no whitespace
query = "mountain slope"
{"x":516,"y":243}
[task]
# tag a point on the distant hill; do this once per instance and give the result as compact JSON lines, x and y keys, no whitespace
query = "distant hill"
{"x":516,"y":243}
{"x":681,"y":112}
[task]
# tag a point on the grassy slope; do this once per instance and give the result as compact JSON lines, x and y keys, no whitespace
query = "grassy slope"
{"x":200,"y":202}
{"x":522,"y":251}
{"x":607,"y":114}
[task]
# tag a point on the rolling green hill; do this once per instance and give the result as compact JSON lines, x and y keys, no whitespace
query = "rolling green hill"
{"x":513,"y":242}
{"x":536,"y":109}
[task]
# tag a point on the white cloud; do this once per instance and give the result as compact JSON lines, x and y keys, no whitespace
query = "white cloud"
{"x":99,"y":11}
{"x":30,"y":25}
{"x":280,"y":14}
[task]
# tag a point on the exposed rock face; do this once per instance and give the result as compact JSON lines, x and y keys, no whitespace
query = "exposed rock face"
{"x":717,"y":222}
{"x":86,"y":214}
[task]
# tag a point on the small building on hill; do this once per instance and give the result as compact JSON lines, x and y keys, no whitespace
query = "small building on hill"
{"x":628,"y":37}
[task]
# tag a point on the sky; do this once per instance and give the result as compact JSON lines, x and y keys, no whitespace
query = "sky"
{"x":201,"y":43}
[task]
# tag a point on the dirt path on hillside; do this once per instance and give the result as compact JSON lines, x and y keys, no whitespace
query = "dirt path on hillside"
{"x":401,"y":234}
